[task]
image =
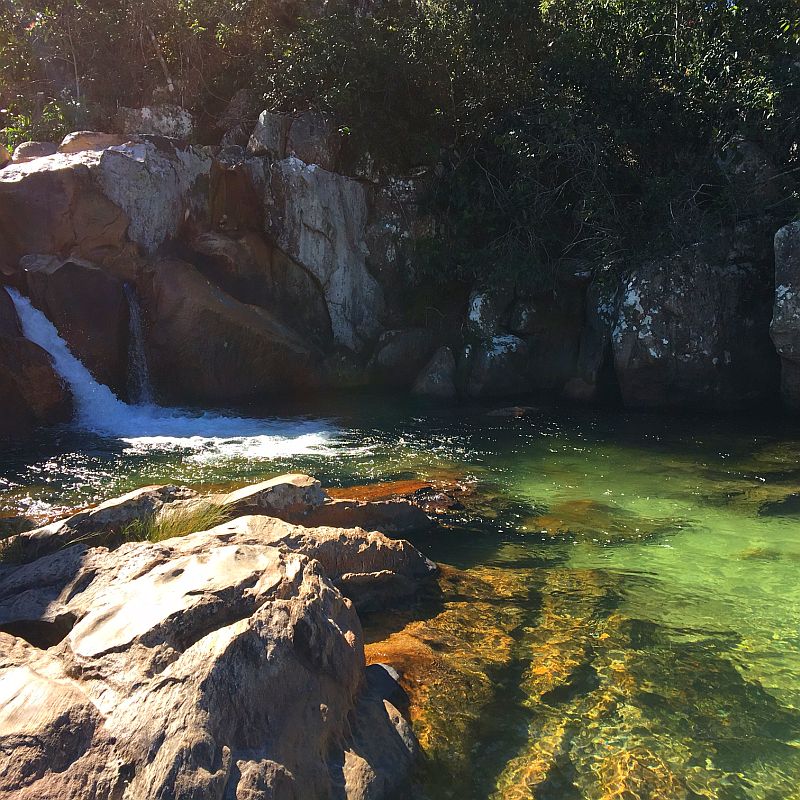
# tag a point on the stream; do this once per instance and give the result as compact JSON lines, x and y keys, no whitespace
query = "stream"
{"x":618,"y":611}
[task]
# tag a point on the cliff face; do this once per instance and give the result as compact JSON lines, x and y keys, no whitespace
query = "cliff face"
{"x":288,"y":265}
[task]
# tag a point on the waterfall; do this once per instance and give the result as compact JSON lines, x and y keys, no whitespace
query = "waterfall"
{"x":140,"y":389}
{"x":148,"y":427}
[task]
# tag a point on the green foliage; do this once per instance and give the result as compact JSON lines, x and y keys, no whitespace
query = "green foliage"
{"x":552,"y":129}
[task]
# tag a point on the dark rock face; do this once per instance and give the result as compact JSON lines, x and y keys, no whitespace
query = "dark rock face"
{"x":498,"y":367}
{"x":785,"y":328}
{"x":89,"y":309}
{"x":594,"y":378}
{"x":691,"y":330}
{"x":438,"y":377}
{"x":31,"y":393}
{"x":399,"y":356}
{"x":210,"y":347}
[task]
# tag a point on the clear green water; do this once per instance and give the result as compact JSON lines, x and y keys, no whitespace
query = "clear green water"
{"x":625,"y":619}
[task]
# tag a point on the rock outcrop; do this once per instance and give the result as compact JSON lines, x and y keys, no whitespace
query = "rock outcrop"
{"x":691,"y":331}
{"x":158,"y":184}
{"x":196,"y":668}
{"x":227,"y":663}
{"x":319,"y":219}
{"x":785,"y":328}
{"x":31,"y":394}
{"x":164,"y":120}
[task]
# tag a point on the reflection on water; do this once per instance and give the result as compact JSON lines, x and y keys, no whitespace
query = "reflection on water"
{"x":619,"y":617}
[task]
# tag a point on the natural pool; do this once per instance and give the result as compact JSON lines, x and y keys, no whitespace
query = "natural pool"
{"x":622,"y":615}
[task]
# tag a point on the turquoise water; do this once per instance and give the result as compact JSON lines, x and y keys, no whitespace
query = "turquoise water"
{"x":622,"y":619}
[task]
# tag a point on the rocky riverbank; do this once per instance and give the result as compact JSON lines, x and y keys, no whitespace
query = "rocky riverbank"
{"x":221,"y":663}
{"x":288,"y":265}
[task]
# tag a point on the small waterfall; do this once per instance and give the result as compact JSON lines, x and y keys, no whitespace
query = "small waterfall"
{"x":140,"y":389}
{"x":147,"y":427}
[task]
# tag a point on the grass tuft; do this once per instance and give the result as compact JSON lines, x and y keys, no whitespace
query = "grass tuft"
{"x":170,"y":523}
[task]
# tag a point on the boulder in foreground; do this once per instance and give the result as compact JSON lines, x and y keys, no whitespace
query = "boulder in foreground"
{"x":228,"y":663}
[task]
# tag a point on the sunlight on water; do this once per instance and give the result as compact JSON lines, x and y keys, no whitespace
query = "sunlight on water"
{"x":622,"y":614}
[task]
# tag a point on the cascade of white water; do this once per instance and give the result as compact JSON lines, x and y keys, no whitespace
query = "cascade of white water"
{"x":148,"y":426}
{"x":140,"y":388}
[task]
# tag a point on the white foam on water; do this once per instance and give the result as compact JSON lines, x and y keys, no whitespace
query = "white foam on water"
{"x":147,"y":426}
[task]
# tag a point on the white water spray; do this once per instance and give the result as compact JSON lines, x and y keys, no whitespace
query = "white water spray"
{"x":146,"y":426}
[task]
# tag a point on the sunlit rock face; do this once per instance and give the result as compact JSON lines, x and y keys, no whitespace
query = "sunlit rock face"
{"x":319,"y":219}
{"x":691,"y":330}
{"x":222,"y":664}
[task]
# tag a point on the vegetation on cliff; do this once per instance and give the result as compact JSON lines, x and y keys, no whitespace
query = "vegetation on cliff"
{"x":553,"y":130}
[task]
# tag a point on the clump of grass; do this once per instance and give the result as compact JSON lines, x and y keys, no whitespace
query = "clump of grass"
{"x":169,"y":523}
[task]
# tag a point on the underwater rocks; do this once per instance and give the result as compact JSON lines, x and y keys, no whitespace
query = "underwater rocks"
{"x":224,"y":663}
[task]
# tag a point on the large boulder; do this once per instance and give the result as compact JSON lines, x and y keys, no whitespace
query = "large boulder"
{"x":785,"y":328}
{"x":29,"y":150}
{"x":498,"y":367}
{"x":319,"y":220}
{"x":692,"y":330}
{"x":164,"y":120}
{"x":31,"y":393}
{"x":79,"y":141}
{"x":438,"y":377}
{"x":89,"y":309}
{"x":311,"y":136}
{"x":158,"y":184}
{"x":52,"y":205}
{"x":206,"y":346}
{"x":214,"y":665}
{"x":550,"y":323}
{"x":294,"y":495}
